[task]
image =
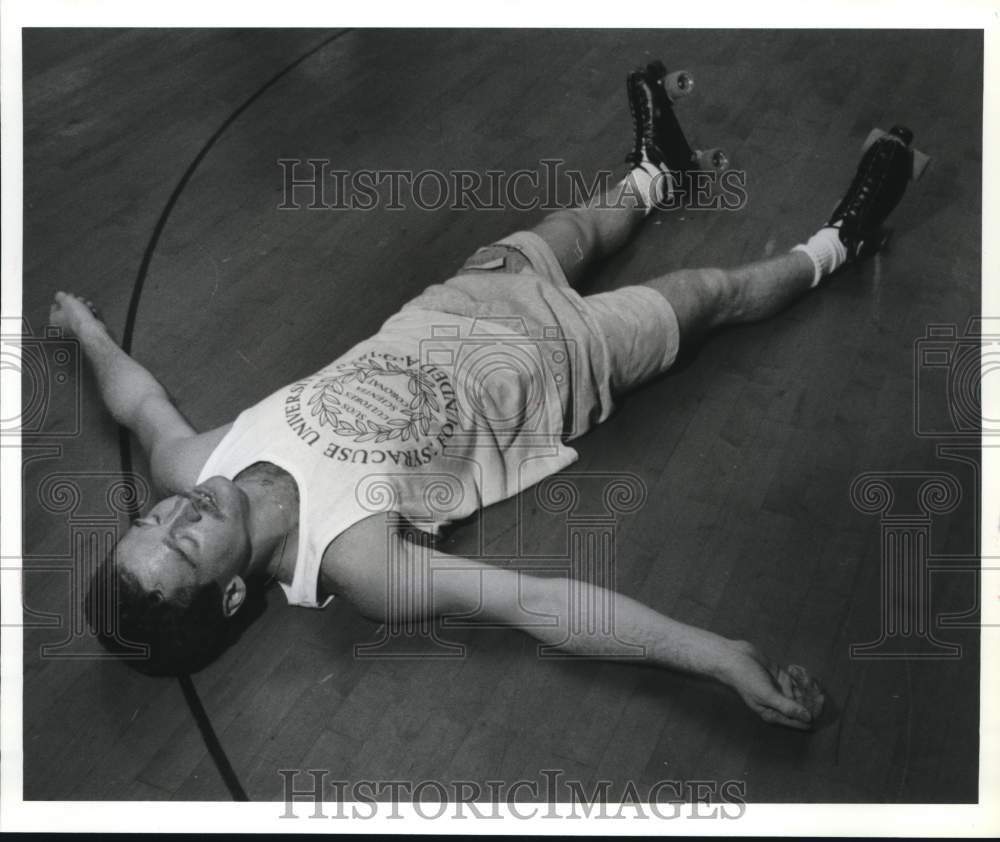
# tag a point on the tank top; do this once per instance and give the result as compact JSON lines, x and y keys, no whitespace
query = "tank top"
{"x":434,"y":417}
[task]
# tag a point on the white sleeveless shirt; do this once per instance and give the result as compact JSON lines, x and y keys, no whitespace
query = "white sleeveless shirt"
{"x":434,"y":417}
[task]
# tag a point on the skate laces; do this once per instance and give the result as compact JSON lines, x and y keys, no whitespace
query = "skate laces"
{"x":642,"y":119}
{"x":866,"y":183}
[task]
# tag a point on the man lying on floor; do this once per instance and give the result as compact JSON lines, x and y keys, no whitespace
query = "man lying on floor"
{"x":318,"y":485}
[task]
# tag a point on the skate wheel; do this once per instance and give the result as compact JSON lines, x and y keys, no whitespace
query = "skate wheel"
{"x":678,"y":84}
{"x":711,"y":159}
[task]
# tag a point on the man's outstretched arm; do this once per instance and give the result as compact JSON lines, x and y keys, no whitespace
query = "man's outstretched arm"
{"x":134,"y":397}
{"x":573,"y":616}
{"x":593,"y":621}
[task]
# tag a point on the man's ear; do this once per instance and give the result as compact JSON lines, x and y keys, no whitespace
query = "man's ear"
{"x":233,"y":595}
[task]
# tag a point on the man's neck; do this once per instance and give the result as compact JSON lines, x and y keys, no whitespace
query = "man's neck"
{"x":273,"y":516}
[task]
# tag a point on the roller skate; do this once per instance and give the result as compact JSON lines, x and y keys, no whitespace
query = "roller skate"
{"x":658,"y":137}
{"x":888,"y":163}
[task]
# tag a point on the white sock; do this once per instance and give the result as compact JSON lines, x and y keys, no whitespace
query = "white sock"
{"x":826,"y":250}
{"x":649,"y":184}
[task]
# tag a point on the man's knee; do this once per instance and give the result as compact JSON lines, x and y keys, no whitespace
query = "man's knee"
{"x":571,"y":235}
{"x":700,"y":298}
{"x":716,"y":289}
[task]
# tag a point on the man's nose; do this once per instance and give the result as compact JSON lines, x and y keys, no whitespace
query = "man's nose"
{"x":182,"y":511}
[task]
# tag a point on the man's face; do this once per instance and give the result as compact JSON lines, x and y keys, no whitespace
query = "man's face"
{"x":189,"y":539}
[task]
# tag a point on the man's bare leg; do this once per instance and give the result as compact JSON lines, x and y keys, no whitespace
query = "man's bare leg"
{"x":701,"y":298}
{"x":583,"y":235}
{"x":704,"y":299}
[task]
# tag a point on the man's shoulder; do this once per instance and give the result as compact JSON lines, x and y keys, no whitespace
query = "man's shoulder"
{"x":354,"y":563}
{"x":354,"y":546}
{"x":177,"y":462}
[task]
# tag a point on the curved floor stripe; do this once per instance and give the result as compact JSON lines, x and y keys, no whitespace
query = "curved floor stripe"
{"x":190,"y":692}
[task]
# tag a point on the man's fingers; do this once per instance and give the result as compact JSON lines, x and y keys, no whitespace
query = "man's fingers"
{"x":784,"y":681}
{"x":789,"y":697}
{"x":789,"y":708}
{"x":798,"y":685}
{"x":810,"y":693}
{"x":774,"y":717}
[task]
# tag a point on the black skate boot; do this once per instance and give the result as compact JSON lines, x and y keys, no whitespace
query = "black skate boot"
{"x":658,"y":136}
{"x":880,"y":182}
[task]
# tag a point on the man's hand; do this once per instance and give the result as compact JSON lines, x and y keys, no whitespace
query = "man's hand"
{"x":782,"y":697}
{"x":76,"y":316}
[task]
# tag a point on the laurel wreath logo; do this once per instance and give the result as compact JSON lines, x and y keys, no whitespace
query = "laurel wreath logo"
{"x":327,"y":407}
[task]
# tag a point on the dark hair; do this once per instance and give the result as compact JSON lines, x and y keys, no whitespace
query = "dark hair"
{"x":184,"y":632}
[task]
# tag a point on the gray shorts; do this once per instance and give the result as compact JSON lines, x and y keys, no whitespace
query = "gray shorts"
{"x":619,"y":339}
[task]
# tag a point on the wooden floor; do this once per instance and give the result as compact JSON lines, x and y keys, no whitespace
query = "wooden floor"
{"x":748,"y":450}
